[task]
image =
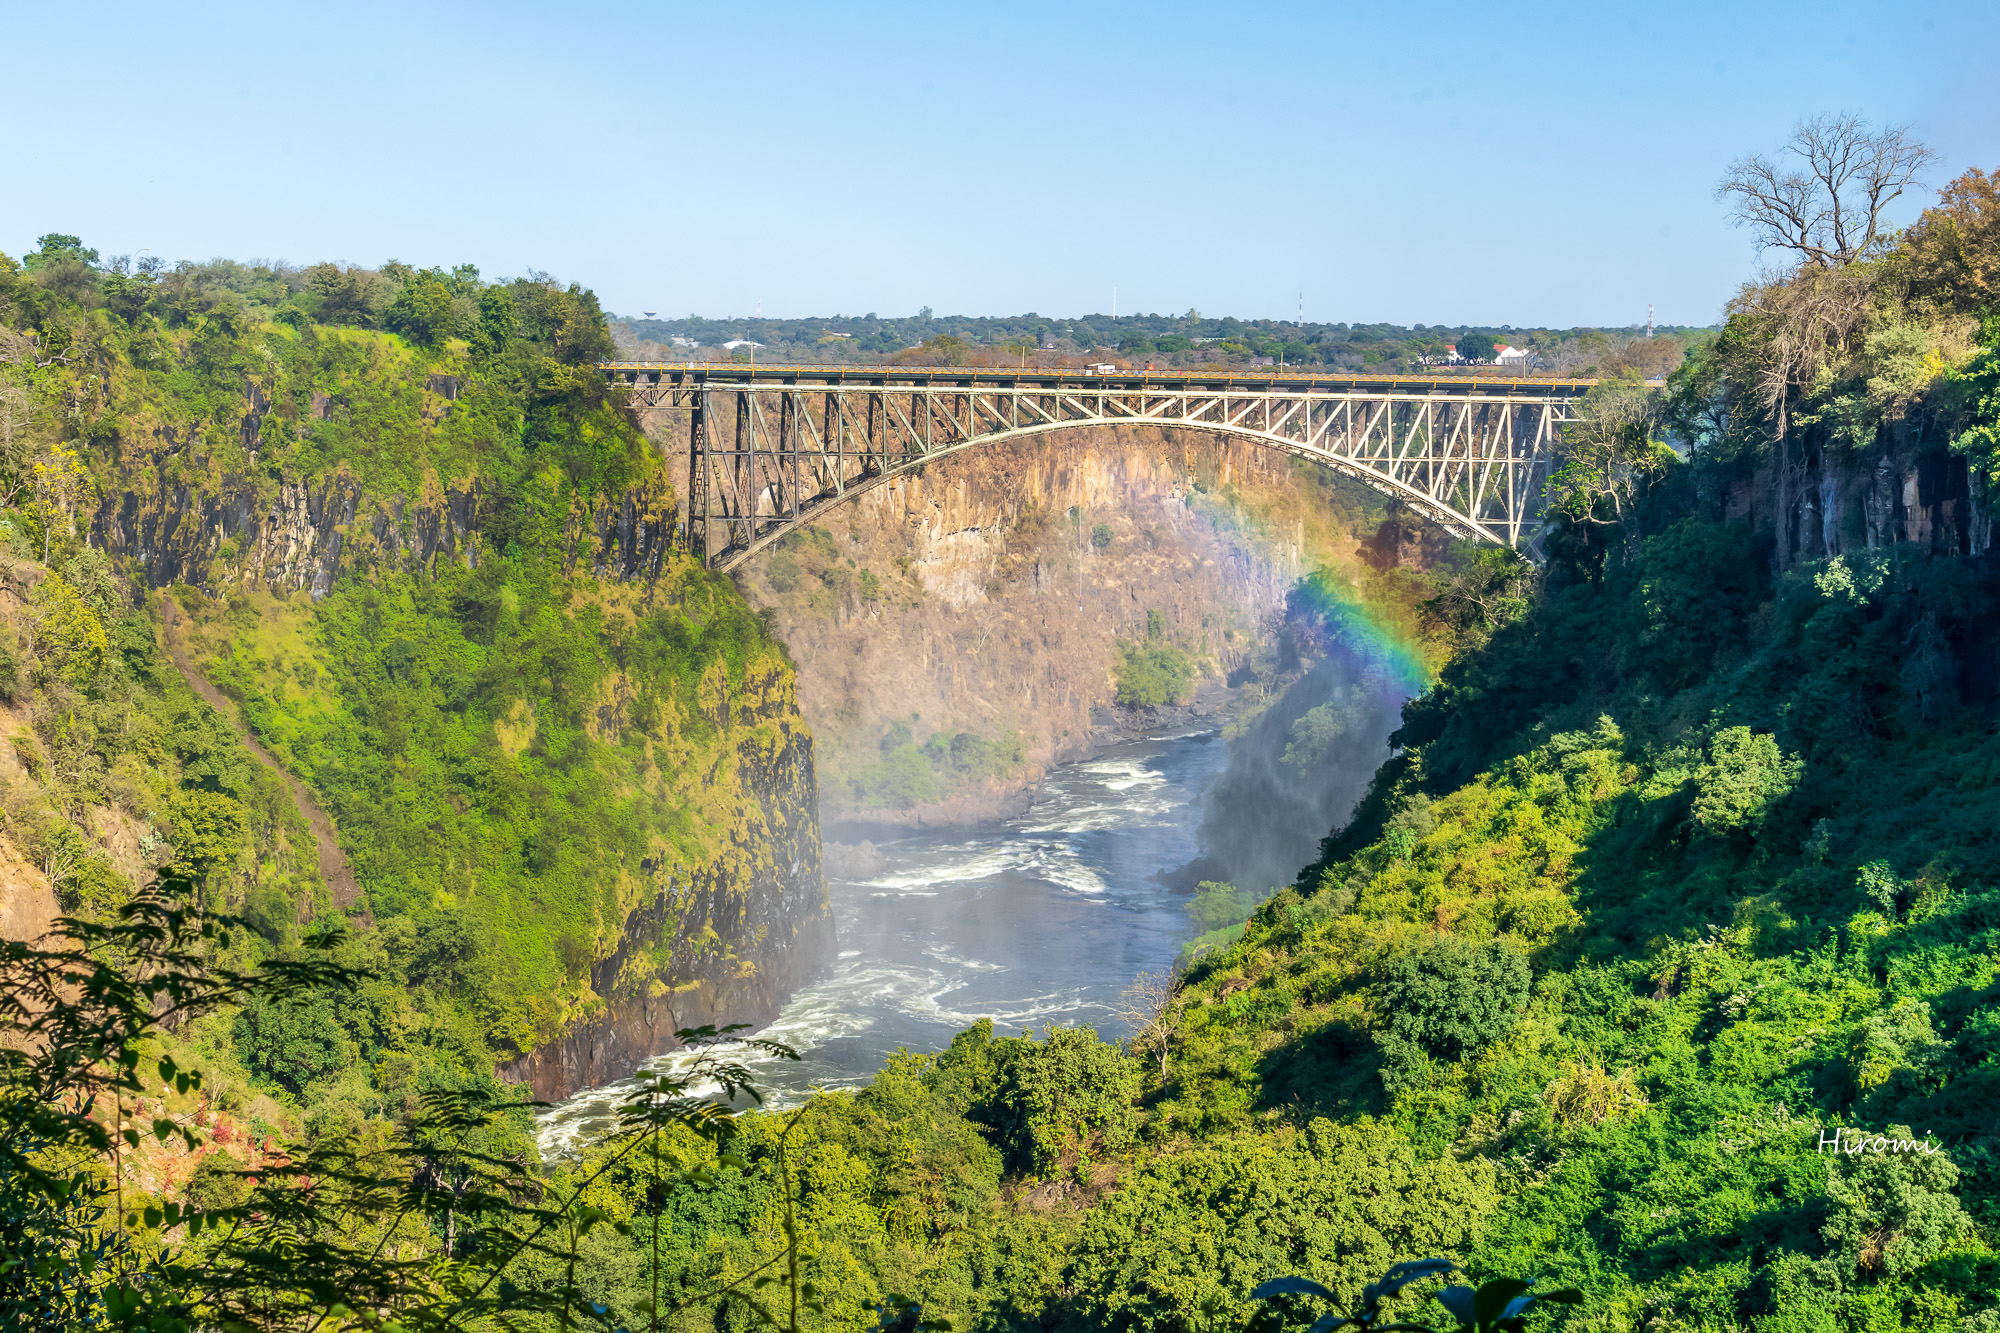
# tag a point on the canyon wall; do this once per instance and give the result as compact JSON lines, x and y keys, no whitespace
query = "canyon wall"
{"x":1903,"y":488}
{"x":989,"y":593}
{"x":719,"y":935}
{"x":765,"y":894}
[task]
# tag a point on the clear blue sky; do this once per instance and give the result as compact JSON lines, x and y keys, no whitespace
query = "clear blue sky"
{"x":1436,"y":163}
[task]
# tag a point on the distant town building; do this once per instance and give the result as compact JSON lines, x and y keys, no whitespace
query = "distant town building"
{"x":679,"y":341}
{"x":1504,"y":355}
{"x":735,"y":343}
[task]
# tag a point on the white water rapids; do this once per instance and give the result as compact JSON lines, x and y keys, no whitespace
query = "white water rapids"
{"x":1036,"y":921}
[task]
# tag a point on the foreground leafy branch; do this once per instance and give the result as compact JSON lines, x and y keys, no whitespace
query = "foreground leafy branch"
{"x":1501,"y":1305}
{"x":425,"y":1232}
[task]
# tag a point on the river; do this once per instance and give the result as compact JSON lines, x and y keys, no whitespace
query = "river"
{"x":1036,"y":921}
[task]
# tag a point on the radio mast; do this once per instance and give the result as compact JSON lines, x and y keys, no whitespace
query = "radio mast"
{"x":1649,"y":319}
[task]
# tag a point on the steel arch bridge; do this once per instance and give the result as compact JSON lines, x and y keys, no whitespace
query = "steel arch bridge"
{"x":771,"y":448}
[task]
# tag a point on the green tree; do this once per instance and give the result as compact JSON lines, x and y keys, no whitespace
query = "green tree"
{"x":62,"y":483}
{"x":428,"y":309}
{"x":291,"y":1041}
{"x":69,"y":635}
{"x":1745,"y":775}
{"x":1447,"y":1000}
{"x":1477,"y":347}
{"x":55,"y":248}
{"x":1064,"y":1100}
{"x":1609,"y":455}
{"x":208,"y":829}
{"x":496,"y":328}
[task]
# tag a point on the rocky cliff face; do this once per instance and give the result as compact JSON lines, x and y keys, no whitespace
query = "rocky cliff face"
{"x":723,"y":943}
{"x":719,"y":942}
{"x":1904,"y":489}
{"x":989,"y":594}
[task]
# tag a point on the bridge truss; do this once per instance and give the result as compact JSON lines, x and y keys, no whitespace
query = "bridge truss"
{"x":771,"y":448}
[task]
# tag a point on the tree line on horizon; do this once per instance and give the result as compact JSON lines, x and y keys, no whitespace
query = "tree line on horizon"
{"x":1191,"y":339}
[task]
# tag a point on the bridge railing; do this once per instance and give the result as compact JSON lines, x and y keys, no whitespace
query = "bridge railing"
{"x":1193,"y":376}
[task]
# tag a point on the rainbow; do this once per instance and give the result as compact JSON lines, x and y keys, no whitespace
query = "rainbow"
{"x":1382,"y":632}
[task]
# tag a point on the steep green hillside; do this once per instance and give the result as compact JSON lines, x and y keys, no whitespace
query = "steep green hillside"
{"x":402,"y":524}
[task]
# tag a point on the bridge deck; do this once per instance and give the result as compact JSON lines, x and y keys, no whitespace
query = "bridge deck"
{"x":1280,"y":381}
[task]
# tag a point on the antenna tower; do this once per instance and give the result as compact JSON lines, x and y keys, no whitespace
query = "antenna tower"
{"x":1649,"y":319}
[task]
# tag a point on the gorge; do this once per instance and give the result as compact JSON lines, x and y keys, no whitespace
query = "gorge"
{"x":1538,"y":915}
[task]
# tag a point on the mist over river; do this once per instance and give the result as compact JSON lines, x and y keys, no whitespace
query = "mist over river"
{"x":1034,"y":921}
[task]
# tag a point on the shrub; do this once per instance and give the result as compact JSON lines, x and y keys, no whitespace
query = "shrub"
{"x":1152,"y":674}
{"x":1745,"y":776}
{"x":1452,"y":997}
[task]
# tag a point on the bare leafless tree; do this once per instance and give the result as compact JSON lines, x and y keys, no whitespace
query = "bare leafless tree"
{"x":1151,"y":1007}
{"x":1823,"y":198}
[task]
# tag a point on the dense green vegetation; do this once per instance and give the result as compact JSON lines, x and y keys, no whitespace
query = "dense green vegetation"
{"x":512,"y":750}
{"x":1661,"y":960}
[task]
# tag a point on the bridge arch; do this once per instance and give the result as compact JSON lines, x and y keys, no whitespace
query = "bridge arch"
{"x":774,"y":449}
{"x":1394,"y":488}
